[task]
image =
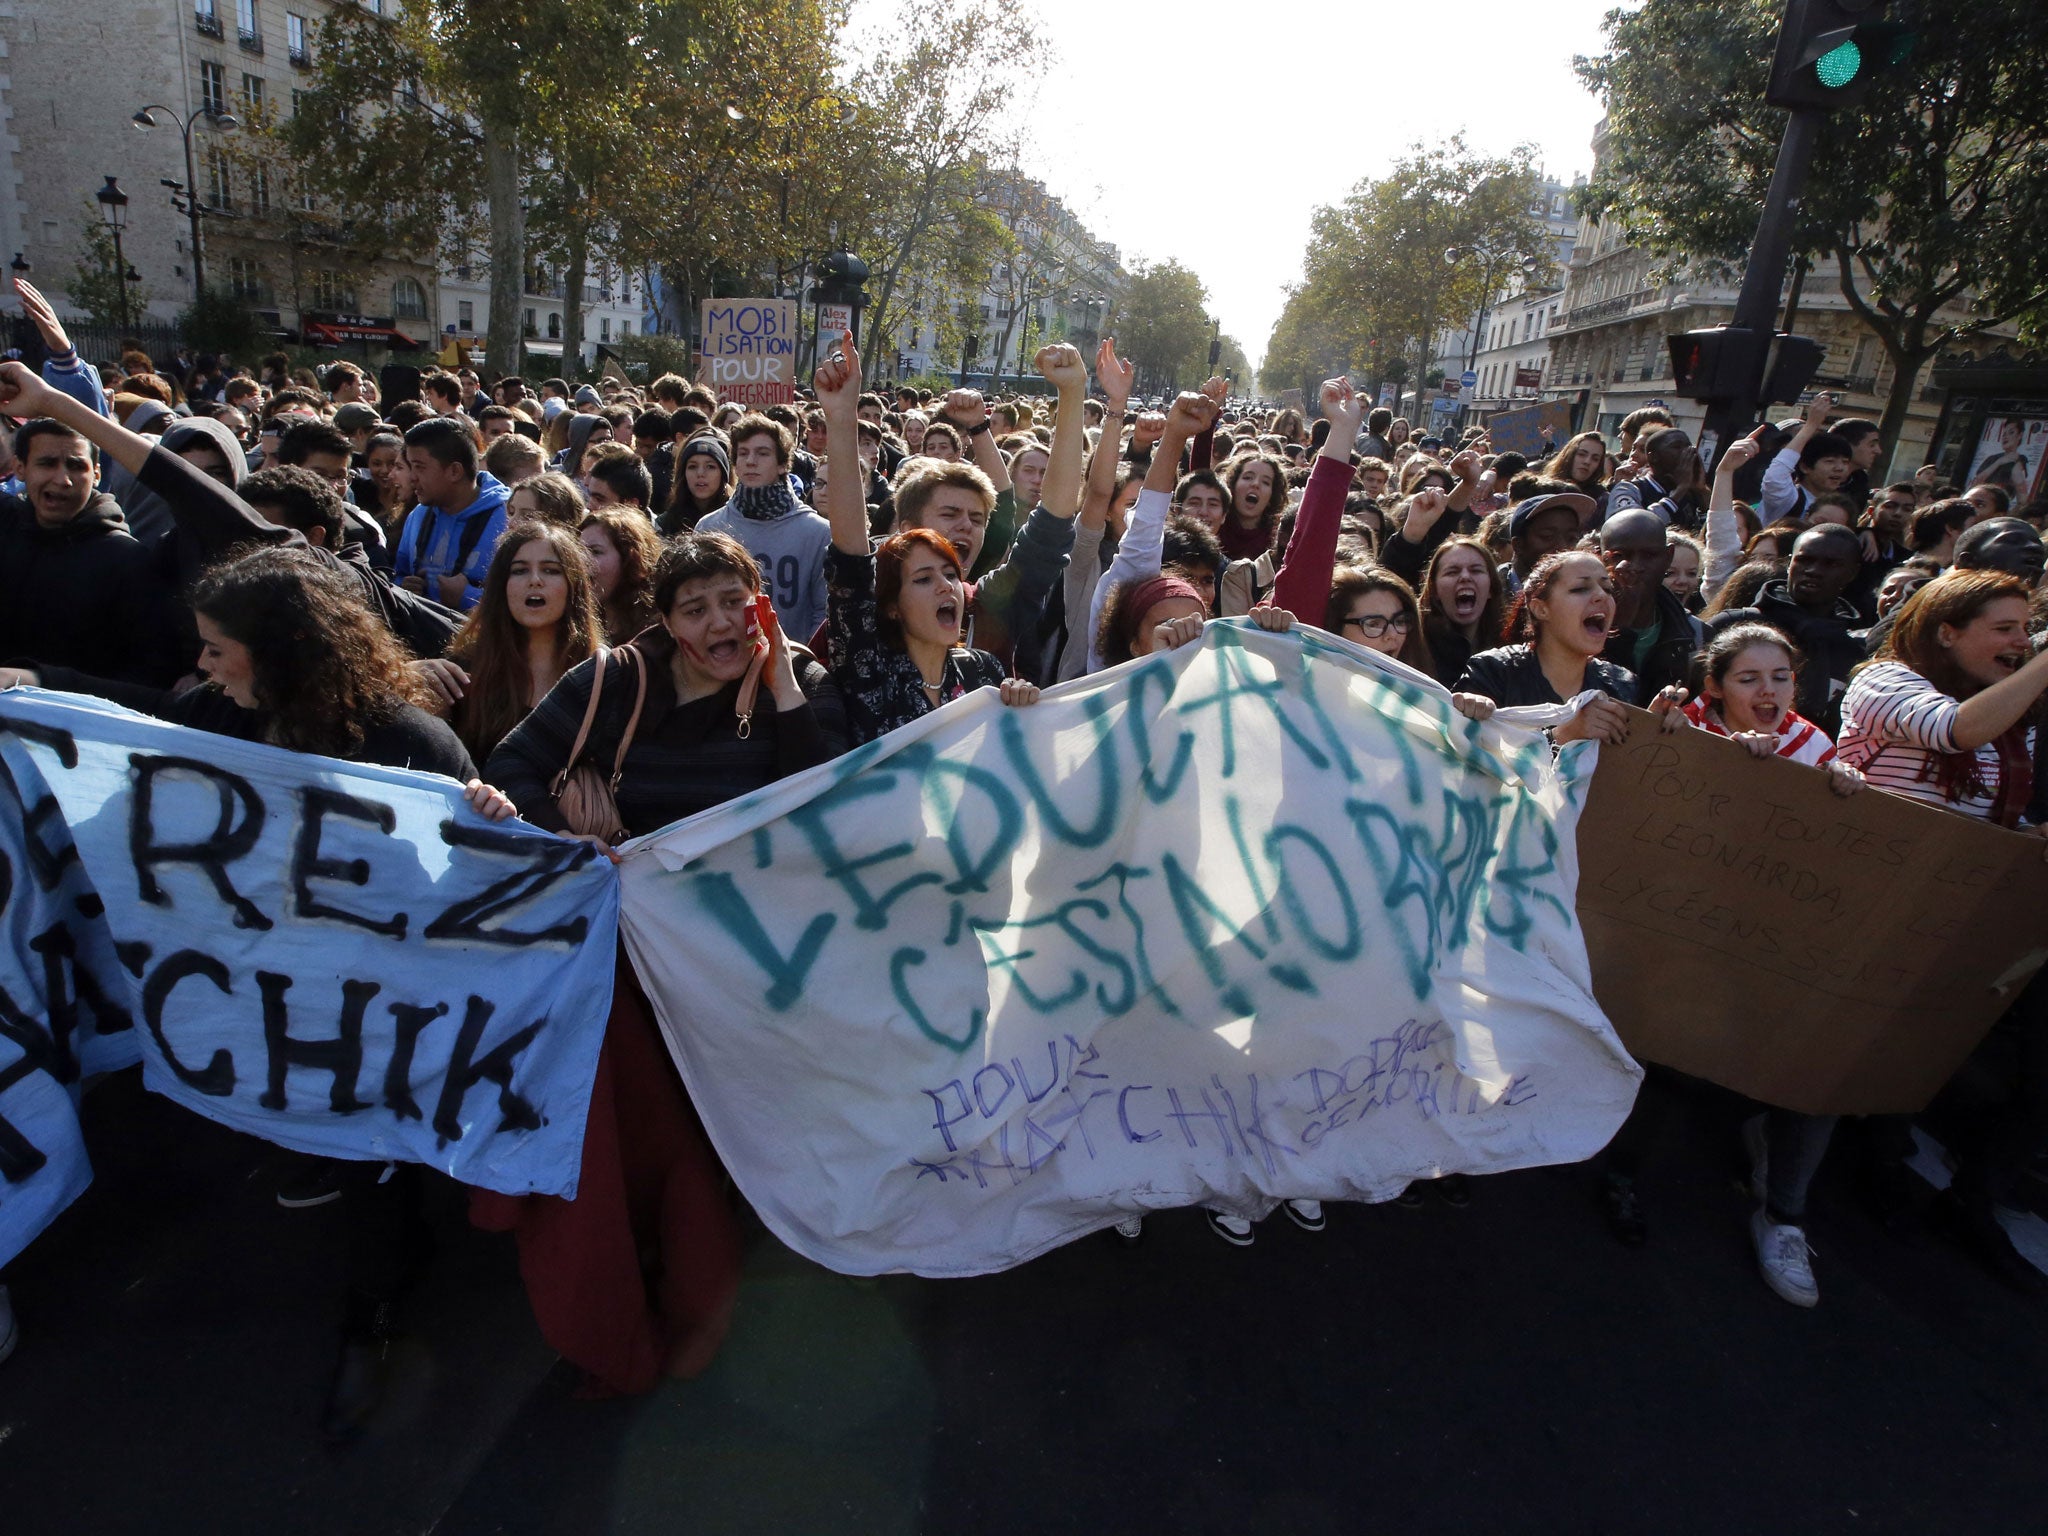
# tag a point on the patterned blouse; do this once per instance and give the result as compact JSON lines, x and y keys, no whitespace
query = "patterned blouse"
{"x":881,"y":684}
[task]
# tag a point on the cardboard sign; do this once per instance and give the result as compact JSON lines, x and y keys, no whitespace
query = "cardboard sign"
{"x":750,"y":350}
{"x":1524,"y":431}
{"x":1828,"y":954}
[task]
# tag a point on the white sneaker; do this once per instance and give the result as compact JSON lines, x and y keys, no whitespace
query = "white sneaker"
{"x":1131,"y":1228}
{"x":1782,"y":1256}
{"x":10,"y":1333}
{"x":1234,"y":1230}
{"x":1305,"y":1214}
{"x":1759,"y":1153}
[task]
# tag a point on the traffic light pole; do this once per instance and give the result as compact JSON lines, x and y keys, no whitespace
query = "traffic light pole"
{"x":1756,"y":307}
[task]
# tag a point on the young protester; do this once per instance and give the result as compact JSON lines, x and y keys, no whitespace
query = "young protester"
{"x":616,"y":477}
{"x":786,"y":537}
{"x":1943,"y":715}
{"x":1377,"y":609}
{"x":897,"y":612}
{"x":1258,"y":493}
{"x":1809,"y":607}
{"x":639,"y":1274}
{"x":1651,"y":635}
{"x":448,"y":539}
{"x":703,"y":484}
{"x":1750,"y":678}
{"x":84,"y":592}
{"x":1462,"y":605}
{"x":1812,"y":463}
{"x":387,"y":495}
{"x":623,"y":550}
{"x":513,"y":458}
{"x":551,"y":497}
{"x":1682,"y":576}
{"x":1557,"y":633}
{"x":1667,"y":485}
{"x":1203,"y":497}
{"x":538,"y":617}
{"x":1582,"y":464}
{"x":1119,"y":615}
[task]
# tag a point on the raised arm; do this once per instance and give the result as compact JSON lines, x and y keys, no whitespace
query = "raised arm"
{"x":837,"y":383}
{"x":1466,"y":467}
{"x":1114,"y":375}
{"x":64,"y":369}
{"x":1303,"y":585}
{"x":966,"y":409}
{"x":1138,"y":555}
{"x":1724,"y":535}
{"x":1062,"y":367}
{"x":24,"y":395}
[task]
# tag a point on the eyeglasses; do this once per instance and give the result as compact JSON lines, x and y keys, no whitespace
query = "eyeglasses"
{"x":1374,"y":625}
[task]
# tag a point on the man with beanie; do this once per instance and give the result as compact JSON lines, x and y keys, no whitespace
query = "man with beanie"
{"x":787,"y":539}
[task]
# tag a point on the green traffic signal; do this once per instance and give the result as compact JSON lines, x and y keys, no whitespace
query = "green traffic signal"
{"x":1839,"y":65}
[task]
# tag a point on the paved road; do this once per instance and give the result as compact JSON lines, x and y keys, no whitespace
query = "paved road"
{"x":1500,"y":1368}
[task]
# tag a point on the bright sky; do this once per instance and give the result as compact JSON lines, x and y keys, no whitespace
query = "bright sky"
{"x":1153,"y":115}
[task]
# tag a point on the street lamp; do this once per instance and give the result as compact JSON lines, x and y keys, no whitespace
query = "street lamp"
{"x":226,"y":122}
{"x":114,"y":209}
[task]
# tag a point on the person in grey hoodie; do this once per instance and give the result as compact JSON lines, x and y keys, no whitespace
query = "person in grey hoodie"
{"x":787,"y":538}
{"x":207,"y":444}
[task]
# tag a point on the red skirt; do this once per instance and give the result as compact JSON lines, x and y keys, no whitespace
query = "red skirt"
{"x":638,"y":1274}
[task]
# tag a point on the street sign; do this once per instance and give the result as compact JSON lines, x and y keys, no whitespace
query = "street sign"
{"x":1468,"y":378}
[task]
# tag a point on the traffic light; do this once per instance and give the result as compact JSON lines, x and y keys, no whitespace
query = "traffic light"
{"x":1799,"y":359}
{"x":1718,"y":363}
{"x":1830,"y":52}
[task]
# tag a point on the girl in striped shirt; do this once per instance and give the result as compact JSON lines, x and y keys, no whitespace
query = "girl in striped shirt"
{"x":1751,"y":679}
{"x":1942,"y":716}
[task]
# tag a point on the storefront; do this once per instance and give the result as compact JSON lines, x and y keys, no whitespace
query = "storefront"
{"x":1994,"y":426}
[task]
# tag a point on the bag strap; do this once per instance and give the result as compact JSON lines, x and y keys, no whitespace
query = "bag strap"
{"x":583,"y":731}
{"x":750,"y":689}
{"x":639,"y":664}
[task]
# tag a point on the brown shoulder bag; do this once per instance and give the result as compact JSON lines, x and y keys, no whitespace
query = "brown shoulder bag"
{"x":587,"y":797}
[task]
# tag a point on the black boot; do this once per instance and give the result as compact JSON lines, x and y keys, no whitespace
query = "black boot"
{"x":357,"y":1389}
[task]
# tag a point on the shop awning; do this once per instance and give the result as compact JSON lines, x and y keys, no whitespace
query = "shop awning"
{"x":329,"y":333}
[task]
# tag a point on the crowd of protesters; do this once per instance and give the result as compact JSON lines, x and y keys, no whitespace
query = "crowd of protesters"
{"x":535,"y":590}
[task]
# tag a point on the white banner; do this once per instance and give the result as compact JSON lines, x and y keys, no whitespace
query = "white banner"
{"x":1261,"y":918}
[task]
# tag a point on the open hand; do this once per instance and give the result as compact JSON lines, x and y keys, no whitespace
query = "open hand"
{"x":38,"y":309}
{"x":1113,"y":373}
{"x":444,"y":679}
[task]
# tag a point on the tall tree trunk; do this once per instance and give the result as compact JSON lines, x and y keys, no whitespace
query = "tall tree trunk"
{"x":572,"y":291}
{"x":508,"y":247}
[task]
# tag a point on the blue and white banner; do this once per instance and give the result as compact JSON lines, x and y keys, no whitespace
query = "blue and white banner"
{"x":337,"y":957}
{"x":1261,"y":918}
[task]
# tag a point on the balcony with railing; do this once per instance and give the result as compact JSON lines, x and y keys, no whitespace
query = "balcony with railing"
{"x":1600,"y":310}
{"x":207,"y":23}
{"x":250,"y":41}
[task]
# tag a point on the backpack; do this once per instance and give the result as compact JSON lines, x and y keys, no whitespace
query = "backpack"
{"x":466,"y":541}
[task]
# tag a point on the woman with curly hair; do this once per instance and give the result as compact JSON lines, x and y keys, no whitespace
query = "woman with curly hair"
{"x":538,"y":617}
{"x":623,"y":550}
{"x":1258,"y":493}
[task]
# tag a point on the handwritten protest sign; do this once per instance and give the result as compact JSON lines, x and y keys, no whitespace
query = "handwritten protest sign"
{"x":1830,"y":955}
{"x":1259,"y":918}
{"x":337,"y":957}
{"x":749,"y":350}
{"x":1524,"y":431}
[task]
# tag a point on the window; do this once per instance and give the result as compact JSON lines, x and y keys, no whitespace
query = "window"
{"x":408,"y":299}
{"x":259,"y":189}
{"x":213,"y":87}
{"x":465,"y":316}
{"x":531,"y":328}
{"x":554,"y":327}
{"x":245,"y":19}
{"x":332,"y":292}
{"x":295,"y":38}
{"x":625,"y":327}
{"x":252,"y":94}
{"x":246,"y":280}
{"x":220,"y":187}
{"x":604,"y":328}
{"x":206,"y":18}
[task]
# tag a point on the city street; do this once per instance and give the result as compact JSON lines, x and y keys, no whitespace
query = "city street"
{"x":1504,"y":1367}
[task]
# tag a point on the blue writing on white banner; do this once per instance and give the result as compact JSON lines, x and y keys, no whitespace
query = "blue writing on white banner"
{"x":1261,"y":918}
{"x":341,"y":958}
